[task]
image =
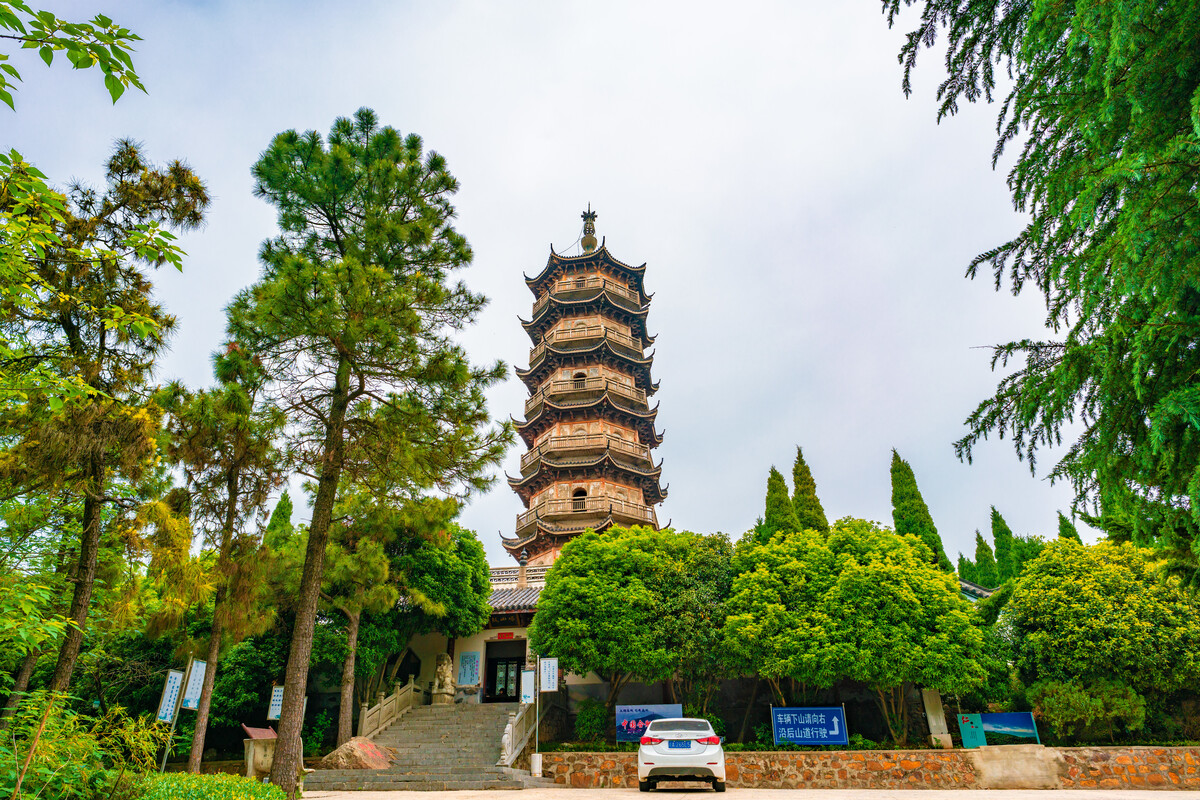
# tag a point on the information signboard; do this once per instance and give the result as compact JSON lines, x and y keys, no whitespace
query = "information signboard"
{"x":195,"y":684}
{"x":468,"y":669}
{"x":275,"y":707}
{"x":170,"y":696}
{"x":982,"y":729}
{"x":822,"y":725}
{"x":528,"y":689}
{"x":549,"y":676}
{"x":632,"y":721}
{"x":971,"y":728}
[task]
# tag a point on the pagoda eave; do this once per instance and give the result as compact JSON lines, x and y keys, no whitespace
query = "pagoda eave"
{"x":603,"y":351}
{"x":551,"y":412}
{"x":550,"y":470}
{"x":599,"y":257}
{"x":602,"y":301}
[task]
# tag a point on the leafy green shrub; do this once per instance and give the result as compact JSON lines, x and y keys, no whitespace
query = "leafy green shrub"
{"x":591,"y":721}
{"x":185,"y":786}
{"x":315,"y":733}
{"x":1078,"y":711}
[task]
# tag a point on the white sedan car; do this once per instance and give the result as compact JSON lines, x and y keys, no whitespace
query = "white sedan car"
{"x":680,"y":750}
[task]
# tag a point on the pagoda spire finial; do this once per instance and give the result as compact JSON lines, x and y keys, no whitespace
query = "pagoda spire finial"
{"x":589,"y":230}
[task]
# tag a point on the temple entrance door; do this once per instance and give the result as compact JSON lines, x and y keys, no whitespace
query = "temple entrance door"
{"x":502,"y":680}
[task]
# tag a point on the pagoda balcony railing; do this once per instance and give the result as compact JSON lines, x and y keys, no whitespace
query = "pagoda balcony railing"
{"x":584,"y":442}
{"x":586,"y":508}
{"x":571,"y":288}
{"x":581,"y":387}
{"x":584,"y":335}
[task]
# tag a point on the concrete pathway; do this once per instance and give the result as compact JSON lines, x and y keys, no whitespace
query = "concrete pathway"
{"x":768,"y":794}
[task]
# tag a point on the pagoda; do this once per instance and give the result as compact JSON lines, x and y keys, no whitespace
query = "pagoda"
{"x":588,"y":426}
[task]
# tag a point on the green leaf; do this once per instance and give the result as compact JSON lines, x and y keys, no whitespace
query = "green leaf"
{"x":115,"y":87}
{"x":47,"y":54}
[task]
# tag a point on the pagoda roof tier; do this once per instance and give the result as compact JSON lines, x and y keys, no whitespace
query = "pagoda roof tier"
{"x":549,"y":357}
{"x":559,"y":265}
{"x":608,"y":406}
{"x":574,"y":516}
{"x":573,"y":303}
{"x":543,"y":536}
{"x":547,"y":470}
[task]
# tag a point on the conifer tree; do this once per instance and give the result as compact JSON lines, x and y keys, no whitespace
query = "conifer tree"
{"x":809,"y":513}
{"x":910,"y":515}
{"x":1006,"y":555}
{"x":780,"y":514}
{"x":986,"y":574}
{"x":354,"y":319}
{"x":966,"y":569}
{"x":279,"y":525}
{"x":1066,"y":529}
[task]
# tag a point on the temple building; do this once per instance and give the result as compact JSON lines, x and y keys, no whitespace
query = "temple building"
{"x":589,"y":427}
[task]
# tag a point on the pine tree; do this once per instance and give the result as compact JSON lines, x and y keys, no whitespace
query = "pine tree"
{"x":809,"y":513}
{"x":354,"y":321}
{"x":1066,"y":529}
{"x":910,"y":515}
{"x":780,"y":514}
{"x":279,"y":526}
{"x":986,"y":574}
{"x":1006,"y":555}
{"x":966,"y":569}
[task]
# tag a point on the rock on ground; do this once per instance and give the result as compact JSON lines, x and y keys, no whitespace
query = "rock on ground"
{"x":358,"y":753}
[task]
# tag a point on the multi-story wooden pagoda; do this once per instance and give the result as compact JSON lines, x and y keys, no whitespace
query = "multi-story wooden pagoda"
{"x":588,"y":424}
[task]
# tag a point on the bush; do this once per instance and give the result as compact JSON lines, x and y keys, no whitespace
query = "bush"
{"x":1077,"y":711}
{"x":185,"y":786}
{"x":591,"y":721}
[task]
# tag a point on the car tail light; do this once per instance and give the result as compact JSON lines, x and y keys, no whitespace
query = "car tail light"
{"x":709,"y":740}
{"x":651,"y":740}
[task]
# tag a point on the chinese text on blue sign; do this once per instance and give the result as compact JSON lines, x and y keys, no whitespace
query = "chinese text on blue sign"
{"x":809,"y":725}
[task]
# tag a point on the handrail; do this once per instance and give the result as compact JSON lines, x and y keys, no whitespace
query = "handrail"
{"x":565,"y":335}
{"x":585,"y":441}
{"x":592,"y":384}
{"x":376,"y":719}
{"x":586,"y":505}
{"x":569,"y":285}
{"x":517,"y":733}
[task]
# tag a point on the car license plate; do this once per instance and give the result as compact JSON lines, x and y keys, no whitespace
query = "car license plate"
{"x":679,"y":744}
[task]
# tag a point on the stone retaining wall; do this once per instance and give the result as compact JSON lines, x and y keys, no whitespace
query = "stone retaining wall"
{"x":1007,"y":767}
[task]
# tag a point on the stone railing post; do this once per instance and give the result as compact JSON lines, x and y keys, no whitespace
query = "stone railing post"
{"x":362,"y":720}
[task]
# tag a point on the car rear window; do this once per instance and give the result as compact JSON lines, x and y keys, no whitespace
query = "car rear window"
{"x":681,"y":725}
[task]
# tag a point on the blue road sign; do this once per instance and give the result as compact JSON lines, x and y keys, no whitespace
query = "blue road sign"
{"x":809,"y":725}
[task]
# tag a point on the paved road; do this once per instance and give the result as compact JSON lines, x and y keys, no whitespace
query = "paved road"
{"x":767,"y":794}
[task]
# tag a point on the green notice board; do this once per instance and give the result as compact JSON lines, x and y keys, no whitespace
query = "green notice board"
{"x":971,"y":728}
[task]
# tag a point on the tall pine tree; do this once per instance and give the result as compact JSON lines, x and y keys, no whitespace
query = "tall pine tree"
{"x":910,"y":515}
{"x":966,"y":569}
{"x":780,"y":514}
{"x":986,"y":574}
{"x":1066,"y":529}
{"x":1006,"y":554}
{"x":809,"y":513}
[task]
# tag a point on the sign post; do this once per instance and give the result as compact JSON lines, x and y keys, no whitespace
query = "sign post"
{"x":823,"y":725}
{"x":170,"y":703}
{"x":547,"y":682}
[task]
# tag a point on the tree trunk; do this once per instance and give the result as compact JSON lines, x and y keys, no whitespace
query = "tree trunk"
{"x":749,"y":710}
{"x":288,"y":755}
{"x":19,"y":686}
{"x":346,"y":709}
{"x":85,"y":576}
{"x":232,"y":497}
{"x":615,"y":684}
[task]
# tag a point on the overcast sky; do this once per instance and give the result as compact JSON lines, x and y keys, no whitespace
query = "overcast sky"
{"x":805,"y":227}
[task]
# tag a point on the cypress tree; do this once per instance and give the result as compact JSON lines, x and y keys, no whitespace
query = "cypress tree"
{"x":966,"y":569}
{"x":986,"y":574}
{"x":910,"y":515}
{"x":809,"y":513}
{"x":780,"y":515}
{"x":1066,"y":529}
{"x":1006,"y":556}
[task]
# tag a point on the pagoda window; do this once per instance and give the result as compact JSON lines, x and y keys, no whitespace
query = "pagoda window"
{"x":579,"y":500}
{"x":580,"y":379}
{"x":581,"y":281}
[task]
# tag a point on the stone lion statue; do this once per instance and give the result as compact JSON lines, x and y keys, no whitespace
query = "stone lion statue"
{"x":444,"y":676}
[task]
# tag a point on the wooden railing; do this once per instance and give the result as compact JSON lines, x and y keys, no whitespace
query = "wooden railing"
{"x":582,"y":386}
{"x":376,"y":719}
{"x":591,"y":506}
{"x":568,"y":286}
{"x":585,"y":441}
{"x":521,"y":727}
{"x":507,"y":575}
{"x":566,"y":336}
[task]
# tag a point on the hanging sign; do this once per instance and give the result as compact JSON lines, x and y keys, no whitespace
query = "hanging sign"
{"x":528,"y":686}
{"x":170,"y":696}
{"x":549,"y":676}
{"x":195,"y":684}
{"x":468,"y":669}
{"x":275,"y":707}
{"x":809,"y":725}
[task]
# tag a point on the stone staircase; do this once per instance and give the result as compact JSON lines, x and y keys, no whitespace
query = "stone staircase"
{"x":437,"y":748}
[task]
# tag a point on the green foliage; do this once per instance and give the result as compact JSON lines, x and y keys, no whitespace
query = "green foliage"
{"x":1006,"y":555}
{"x":591,"y":720}
{"x":279,"y":525}
{"x":966,"y":569}
{"x":809,"y":513}
{"x":1071,"y":708}
{"x":985,"y":564}
{"x":26,"y":621}
{"x":910,"y":514}
{"x":316,"y":733}
{"x":97,"y":43}
{"x":1066,"y":529}
{"x":1104,"y":99}
{"x":186,"y":786}
{"x":1091,"y":614}
{"x":780,"y":514}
